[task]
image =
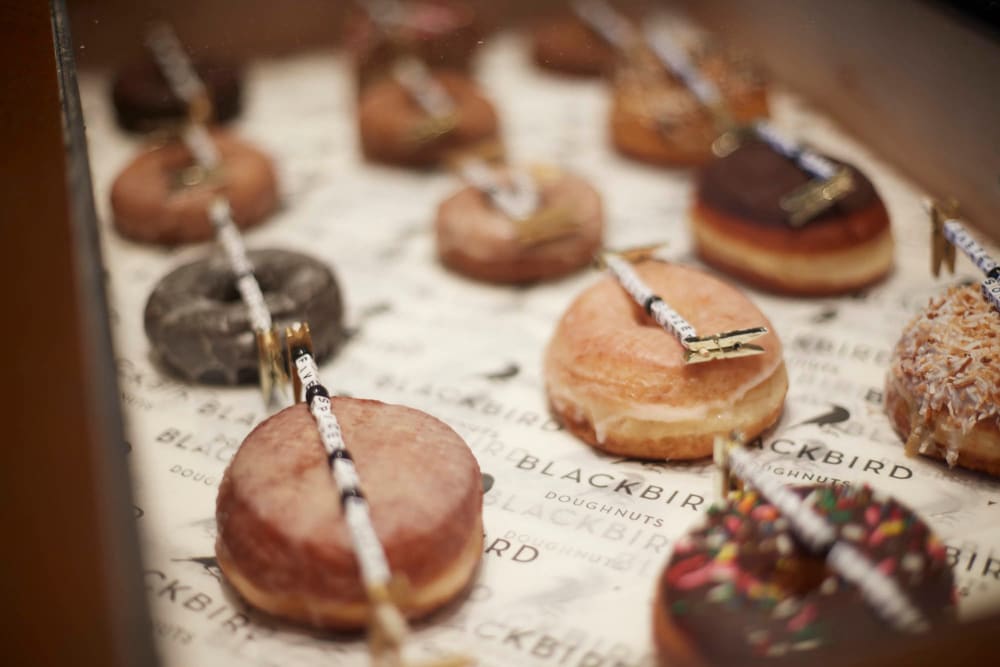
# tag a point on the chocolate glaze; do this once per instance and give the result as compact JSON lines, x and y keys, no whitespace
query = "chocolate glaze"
{"x":144,"y":101}
{"x":199,"y":326}
{"x":744,"y":591}
{"x":750,"y":182}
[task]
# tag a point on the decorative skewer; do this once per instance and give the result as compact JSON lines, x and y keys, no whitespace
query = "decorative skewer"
{"x":947,"y":231}
{"x":698,"y":349}
{"x":821,"y":538}
{"x":185,"y":83}
{"x":388,"y":627}
{"x":613,"y":27}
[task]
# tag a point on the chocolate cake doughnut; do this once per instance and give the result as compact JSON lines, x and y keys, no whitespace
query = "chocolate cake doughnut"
{"x":739,"y":227}
{"x":144,"y":101}
{"x":152,"y":203}
{"x":620,"y":383}
{"x":743,"y":590}
{"x":391,"y":122}
{"x":283,"y":542}
{"x":476,"y":239}
{"x":942,"y":390}
{"x":200,"y":328}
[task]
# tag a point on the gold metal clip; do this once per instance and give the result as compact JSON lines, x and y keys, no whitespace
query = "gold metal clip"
{"x":631,"y":255}
{"x":728,"y":482}
{"x":806,"y":202}
{"x":297,"y":337}
{"x":551,"y":222}
{"x":728,"y":345}
{"x":489,"y":150}
{"x":432,"y":128}
{"x":195,"y":175}
{"x":273,"y":380}
{"x":730,"y":140}
{"x":942,"y":252}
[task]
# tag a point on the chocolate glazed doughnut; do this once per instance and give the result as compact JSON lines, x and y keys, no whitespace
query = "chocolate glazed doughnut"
{"x":389,"y":119}
{"x":198,"y":325}
{"x":152,"y":204}
{"x":144,"y":101}
{"x":740,"y":227}
{"x":741,"y":590}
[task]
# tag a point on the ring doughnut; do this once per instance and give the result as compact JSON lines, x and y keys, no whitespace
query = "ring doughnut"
{"x":942,"y":390}
{"x":564,"y":43}
{"x":389,"y":120}
{"x":144,"y":101}
{"x":152,"y":204}
{"x":477,"y":240}
{"x":739,"y":227}
{"x":198,"y":325}
{"x":741,"y":590}
{"x":618,"y":381}
{"x":284,"y":545}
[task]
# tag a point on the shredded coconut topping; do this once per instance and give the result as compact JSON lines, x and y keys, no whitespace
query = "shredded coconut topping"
{"x":949,"y":360}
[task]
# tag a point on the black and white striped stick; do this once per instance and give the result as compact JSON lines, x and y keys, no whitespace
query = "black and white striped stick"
{"x":698,"y":349}
{"x":821,"y":537}
{"x":185,"y":84}
{"x":947,"y":233}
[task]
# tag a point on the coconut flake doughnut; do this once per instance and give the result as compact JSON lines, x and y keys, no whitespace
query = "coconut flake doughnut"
{"x":283,"y":542}
{"x":656,"y":119}
{"x":618,"y":381}
{"x":740,"y":228}
{"x":389,"y":117}
{"x":476,"y":239}
{"x":742,"y":590}
{"x":943,"y":387}
{"x":152,"y":204}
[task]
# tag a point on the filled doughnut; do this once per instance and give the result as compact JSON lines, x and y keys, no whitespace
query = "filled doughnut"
{"x":283,"y":543}
{"x":442,"y":34}
{"x":739,"y":227}
{"x":564,"y":43}
{"x":199,"y":327}
{"x":161,"y":197}
{"x":144,"y":101}
{"x":478,"y":240}
{"x":743,"y":590}
{"x":619,"y":382}
{"x":656,"y":119}
{"x":942,"y":390}
{"x":393,"y":125}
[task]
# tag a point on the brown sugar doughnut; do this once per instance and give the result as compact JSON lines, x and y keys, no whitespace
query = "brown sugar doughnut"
{"x":564,"y":43}
{"x":739,"y":227}
{"x":152,"y":204}
{"x":656,"y":119}
{"x":283,"y":542}
{"x":942,"y":390}
{"x":742,"y":590}
{"x":390,"y":119}
{"x":476,"y":239}
{"x":619,"y":382}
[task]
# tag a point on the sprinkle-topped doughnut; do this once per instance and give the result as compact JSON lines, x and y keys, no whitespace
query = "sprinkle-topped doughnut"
{"x":743,"y":590}
{"x":943,"y":385}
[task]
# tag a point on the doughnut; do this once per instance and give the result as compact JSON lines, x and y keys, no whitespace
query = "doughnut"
{"x":618,"y":381}
{"x":441,"y":34}
{"x":742,"y":590}
{"x":390,"y":120}
{"x":740,"y":228}
{"x":476,"y":239}
{"x":942,"y":390}
{"x":199,"y":327}
{"x":283,"y":542}
{"x":656,"y":119}
{"x":143,"y":100}
{"x":564,"y":43}
{"x":152,"y":204}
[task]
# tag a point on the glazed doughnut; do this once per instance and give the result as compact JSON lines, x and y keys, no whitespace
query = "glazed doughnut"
{"x":476,"y":239}
{"x":743,"y":590}
{"x":152,"y":204}
{"x":739,"y":227}
{"x":656,"y":119}
{"x":440,"y":33}
{"x":565,"y":44}
{"x":199,"y":327}
{"x":942,"y":390}
{"x":284,"y":545}
{"x":390,"y":118}
{"x":144,"y":101}
{"x":618,"y":381}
